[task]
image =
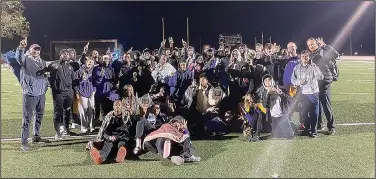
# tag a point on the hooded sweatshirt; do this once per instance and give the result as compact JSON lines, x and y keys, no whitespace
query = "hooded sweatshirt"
{"x":293,"y":61}
{"x":310,"y":74}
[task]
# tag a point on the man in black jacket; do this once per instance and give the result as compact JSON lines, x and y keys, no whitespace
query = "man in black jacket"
{"x":61,"y":82}
{"x":323,"y":55}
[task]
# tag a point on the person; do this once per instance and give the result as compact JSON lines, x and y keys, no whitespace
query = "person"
{"x":114,"y":133}
{"x":172,"y":141}
{"x":76,"y":64}
{"x":247,"y":112}
{"x":85,"y":93}
{"x":148,"y":122}
{"x":263,"y":122}
{"x":324,"y":56}
{"x":34,"y":86}
{"x":163,"y":70}
{"x":62,"y":78}
{"x":183,"y":80}
{"x":104,"y":81}
{"x":287,"y":85}
{"x":125,"y":72}
{"x":213,"y":120}
{"x":305,"y":76}
{"x":278,"y":103}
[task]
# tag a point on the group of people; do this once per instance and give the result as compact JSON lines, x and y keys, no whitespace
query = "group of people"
{"x":157,"y":101}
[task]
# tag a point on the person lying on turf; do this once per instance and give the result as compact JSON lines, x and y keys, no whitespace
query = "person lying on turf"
{"x":113,"y":134}
{"x":172,"y":140}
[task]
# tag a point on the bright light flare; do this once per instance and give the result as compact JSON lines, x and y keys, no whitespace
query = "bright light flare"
{"x":339,"y":40}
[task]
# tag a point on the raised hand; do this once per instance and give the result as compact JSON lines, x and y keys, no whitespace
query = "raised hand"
{"x":108,"y":51}
{"x":170,"y":40}
{"x":163,"y":43}
{"x":184,"y":43}
{"x":23,"y":43}
{"x":320,"y":41}
{"x":86,"y":48}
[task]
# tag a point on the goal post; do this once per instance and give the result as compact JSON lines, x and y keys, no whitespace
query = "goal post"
{"x":99,"y":45}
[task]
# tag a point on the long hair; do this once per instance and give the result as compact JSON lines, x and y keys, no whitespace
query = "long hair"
{"x":239,"y":55}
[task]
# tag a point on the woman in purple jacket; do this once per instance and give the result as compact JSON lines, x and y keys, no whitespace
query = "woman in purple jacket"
{"x":85,"y":95}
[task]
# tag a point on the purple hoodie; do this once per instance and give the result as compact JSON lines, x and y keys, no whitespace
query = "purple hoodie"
{"x":293,"y":61}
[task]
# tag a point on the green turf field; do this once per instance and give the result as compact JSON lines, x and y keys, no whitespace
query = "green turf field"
{"x":348,"y":153}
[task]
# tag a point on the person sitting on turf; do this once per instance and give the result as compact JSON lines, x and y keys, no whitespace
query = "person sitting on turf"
{"x":248,"y":112}
{"x":148,"y":122}
{"x":172,"y":141}
{"x":130,"y":98}
{"x":214,"y":125}
{"x":114,"y":133}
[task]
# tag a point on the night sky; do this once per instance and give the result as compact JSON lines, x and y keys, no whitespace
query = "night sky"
{"x":138,"y":24}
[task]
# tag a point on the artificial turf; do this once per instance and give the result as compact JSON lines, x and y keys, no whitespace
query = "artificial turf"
{"x":348,"y":153}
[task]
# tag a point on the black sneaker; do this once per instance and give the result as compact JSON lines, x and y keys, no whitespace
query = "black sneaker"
{"x":38,"y":139}
{"x":313,"y":135}
{"x":193,"y":159}
{"x":254,"y":139}
{"x":25,"y":147}
{"x":70,"y":133}
{"x":330,"y":132}
{"x":305,"y":133}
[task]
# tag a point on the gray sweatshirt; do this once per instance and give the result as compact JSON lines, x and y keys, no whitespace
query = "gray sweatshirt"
{"x":309,"y":75}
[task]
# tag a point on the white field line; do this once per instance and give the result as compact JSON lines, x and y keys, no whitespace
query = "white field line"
{"x":91,"y":136}
{"x":355,"y":124}
{"x":53,"y":138}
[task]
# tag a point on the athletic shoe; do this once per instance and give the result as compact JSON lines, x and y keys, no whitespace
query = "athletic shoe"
{"x":83,"y":130}
{"x":177,"y":160}
{"x":122,"y":152}
{"x":75,"y":125}
{"x":254,"y":138}
{"x":137,"y":150}
{"x":38,"y":139}
{"x":58,"y":136}
{"x":96,"y":156}
{"x":313,"y":135}
{"x":331,"y":131}
{"x":193,"y":159}
{"x":25,"y":147}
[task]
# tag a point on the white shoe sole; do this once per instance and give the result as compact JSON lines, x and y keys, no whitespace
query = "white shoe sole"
{"x":177,"y":160}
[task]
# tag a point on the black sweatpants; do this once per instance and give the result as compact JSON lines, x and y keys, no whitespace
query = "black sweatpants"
{"x":108,"y":147}
{"x":62,"y":109}
{"x":326,"y":106}
{"x":29,"y":105}
{"x":102,"y":105}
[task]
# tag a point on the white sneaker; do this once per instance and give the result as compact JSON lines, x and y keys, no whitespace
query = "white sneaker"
{"x":177,"y":160}
{"x":92,"y":129}
{"x":58,"y":136}
{"x":83,"y":130}
{"x":74,"y":125}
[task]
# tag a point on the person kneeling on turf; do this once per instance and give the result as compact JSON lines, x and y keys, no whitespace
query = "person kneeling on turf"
{"x":172,"y":139}
{"x":113,"y":132}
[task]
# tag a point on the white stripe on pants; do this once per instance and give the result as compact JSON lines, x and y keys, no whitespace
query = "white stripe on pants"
{"x":86,"y":110}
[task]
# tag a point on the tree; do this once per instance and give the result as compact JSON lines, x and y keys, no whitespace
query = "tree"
{"x":12,"y":20}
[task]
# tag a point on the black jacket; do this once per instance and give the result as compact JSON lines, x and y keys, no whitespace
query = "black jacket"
{"x":118,"y":128}
{"x":61,"y":77}
{"x":323,"y":57}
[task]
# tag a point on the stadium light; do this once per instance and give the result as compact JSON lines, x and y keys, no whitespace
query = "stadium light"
{"x":345,"y":31}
